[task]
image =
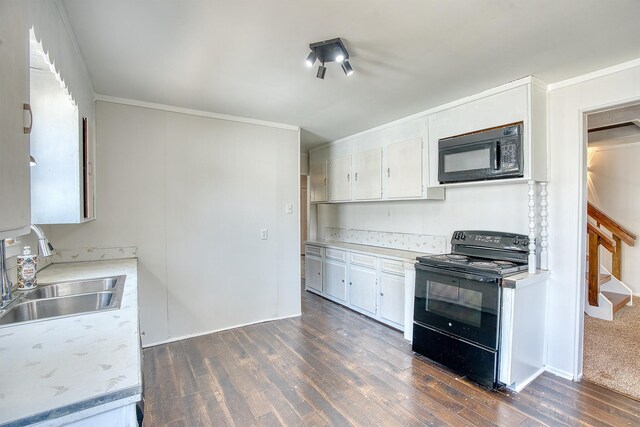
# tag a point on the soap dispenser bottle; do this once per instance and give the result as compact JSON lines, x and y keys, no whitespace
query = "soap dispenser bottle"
{"x":27,"y":267}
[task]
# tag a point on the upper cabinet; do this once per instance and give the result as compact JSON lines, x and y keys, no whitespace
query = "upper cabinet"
{"x":404,"y":169}
{"x":340,"y":179}
{"x":521,"y":101}
{"x":15,"y":120}
{"x":62,"y":180}
{"x":318,"y":180}
{"x":367,"y":176}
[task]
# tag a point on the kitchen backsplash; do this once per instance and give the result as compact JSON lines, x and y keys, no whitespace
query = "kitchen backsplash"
{"x":403,"y":241}
{"x":94,"y":254}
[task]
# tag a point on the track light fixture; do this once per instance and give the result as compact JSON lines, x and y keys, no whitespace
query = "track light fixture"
{"x":329,"y":51}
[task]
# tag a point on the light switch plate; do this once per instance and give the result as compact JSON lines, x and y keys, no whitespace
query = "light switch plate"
{"x":288,"y":208}
{"x":264,"y":234}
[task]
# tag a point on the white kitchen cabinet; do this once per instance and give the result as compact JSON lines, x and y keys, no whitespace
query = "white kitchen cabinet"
{"x":404,"y":169}
{"x":367,"y":174}
{"x":313,"y":273}
{"x":62,"y":180}
{"x":362,"y":289}
{"x":318,"y":180}
{"x":340,"y":179}
{"x":335,"y":283}
{"x":15,"y":215}
{"x":392,"y":298}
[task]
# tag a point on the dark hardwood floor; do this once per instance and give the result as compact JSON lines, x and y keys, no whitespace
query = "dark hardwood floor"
{"x":335,"y":367}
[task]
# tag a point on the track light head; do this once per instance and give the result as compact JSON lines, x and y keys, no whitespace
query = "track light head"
{"x":311,"y":59}
{"x":347,"y":68}
{"x":321,"y":71}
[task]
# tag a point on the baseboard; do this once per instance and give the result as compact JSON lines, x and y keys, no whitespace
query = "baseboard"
{"x":184,"y":337}
{"x":559,"y":372}
{"x":526,"y":382}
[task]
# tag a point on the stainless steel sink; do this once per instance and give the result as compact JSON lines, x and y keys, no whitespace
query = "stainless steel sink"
{"x":65,"y":299}
{"x":73,"y":288}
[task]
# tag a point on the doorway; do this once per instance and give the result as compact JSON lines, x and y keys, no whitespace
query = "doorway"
{"x":612,"y":312}
{"x":303,"y":220}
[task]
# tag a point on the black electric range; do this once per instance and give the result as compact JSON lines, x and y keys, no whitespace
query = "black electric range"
{"x":458,"y":300}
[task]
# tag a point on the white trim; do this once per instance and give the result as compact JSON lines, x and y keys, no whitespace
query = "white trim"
{"x":594,"y":74}
{"x":485,"y":94}
{"x":614,"y":146}
{"x":173,"y":109}
{"x":559,"y":372}
{"x":184,"y":337}
{"x":521,"y":385}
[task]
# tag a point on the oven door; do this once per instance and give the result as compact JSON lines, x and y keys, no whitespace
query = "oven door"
{"x":460,"y":304}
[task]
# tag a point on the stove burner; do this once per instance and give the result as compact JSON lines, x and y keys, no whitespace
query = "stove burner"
{"x":483,"y":264}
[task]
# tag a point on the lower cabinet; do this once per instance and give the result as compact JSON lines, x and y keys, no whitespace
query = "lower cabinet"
{"x":313,"y":272}
{"x":392,"y":298}
{"x":369,"y":284}
{"x":335,"y":283}
{"x":362,"y":289}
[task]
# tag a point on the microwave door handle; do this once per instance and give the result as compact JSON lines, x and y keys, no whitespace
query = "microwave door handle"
{"x":496,"y":154}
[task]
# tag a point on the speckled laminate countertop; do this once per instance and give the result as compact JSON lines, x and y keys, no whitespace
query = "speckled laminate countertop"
{"x":397,"y":254}
{"x":57,"y":367}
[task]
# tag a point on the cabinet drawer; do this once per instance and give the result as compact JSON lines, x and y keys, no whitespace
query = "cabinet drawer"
{"x":393,"y":267}
{"x":336,"y":254}
{"x":363,"y":260}
{"x":313,"y":250}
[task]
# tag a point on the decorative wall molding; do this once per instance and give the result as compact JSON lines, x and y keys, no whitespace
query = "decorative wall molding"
{"x":402,"y":241}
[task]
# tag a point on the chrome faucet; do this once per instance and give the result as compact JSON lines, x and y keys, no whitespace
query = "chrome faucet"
{"x":46,"y":248}
{"x":5,"y":283}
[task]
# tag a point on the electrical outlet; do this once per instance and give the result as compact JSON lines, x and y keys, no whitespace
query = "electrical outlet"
{"x":264,"y":234}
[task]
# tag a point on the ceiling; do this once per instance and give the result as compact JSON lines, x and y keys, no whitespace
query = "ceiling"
{"x":246,"y":57}
{"x":614,"y":127}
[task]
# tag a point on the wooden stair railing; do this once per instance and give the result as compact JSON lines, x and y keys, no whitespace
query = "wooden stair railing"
{"x":613,"y":244}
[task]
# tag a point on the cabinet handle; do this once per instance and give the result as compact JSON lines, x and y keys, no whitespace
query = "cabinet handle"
{"x":27,"y":108}
{"x":350,"y":284}
{"x":318,"y":273}
{"x":388,"y":172}
{"x":356,"y":176}
{"x":348,"y":177}
{"x":381,"y":294}
{"x":342,"y":280}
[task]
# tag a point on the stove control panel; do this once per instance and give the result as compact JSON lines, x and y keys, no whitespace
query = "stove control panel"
{"x":490,"y":239}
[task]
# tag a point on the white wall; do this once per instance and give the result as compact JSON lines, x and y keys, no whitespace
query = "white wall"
{"x":192,"y":193}
{"x":613,"y":185}
{"x":567,"y":204}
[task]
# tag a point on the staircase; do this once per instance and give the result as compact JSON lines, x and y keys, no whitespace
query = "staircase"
{"x":606,"y":293}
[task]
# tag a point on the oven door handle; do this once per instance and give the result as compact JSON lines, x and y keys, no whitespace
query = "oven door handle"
{"x":458,"y":274}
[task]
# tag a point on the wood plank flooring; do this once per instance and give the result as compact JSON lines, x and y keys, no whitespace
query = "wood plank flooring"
{"x":334,"y":367}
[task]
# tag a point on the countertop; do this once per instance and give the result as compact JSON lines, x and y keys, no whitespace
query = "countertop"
{"x":397,"y":254}
{"x":57,"y":367}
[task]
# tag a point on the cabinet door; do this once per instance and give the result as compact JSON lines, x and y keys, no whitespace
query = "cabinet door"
{"x":367,"y":174}
{"x":340,"y":179}
{"x":362,"y":289}
{"x":335,"y":280}
{"x":313,"y":273}
{"x":318,"y":181}
{"x":392,"y":298}
{"x":404,"y":169}
{"x":15,"y":214}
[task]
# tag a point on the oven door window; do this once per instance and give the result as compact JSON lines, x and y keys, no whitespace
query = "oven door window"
{"x":458,"y":306}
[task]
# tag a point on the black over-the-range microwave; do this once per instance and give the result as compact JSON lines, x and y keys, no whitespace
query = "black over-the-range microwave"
{"x":494,"y":153}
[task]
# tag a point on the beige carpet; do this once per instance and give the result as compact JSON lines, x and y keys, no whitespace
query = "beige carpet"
{"x":612,"y":351}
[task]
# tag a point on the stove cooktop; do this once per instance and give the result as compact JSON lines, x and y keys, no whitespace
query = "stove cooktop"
{"x":472,"y":264}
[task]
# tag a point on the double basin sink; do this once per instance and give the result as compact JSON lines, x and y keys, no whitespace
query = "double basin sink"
{"x":63,"y":299}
